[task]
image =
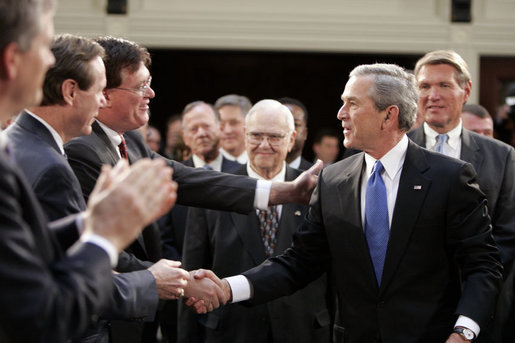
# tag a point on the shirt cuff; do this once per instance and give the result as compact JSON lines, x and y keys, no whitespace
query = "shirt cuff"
{"x":79,"y":222}
{"x":240,"y":288}
{"x":104,"y":244}
{"x":262,"y":196}
{"x":468,"y":323}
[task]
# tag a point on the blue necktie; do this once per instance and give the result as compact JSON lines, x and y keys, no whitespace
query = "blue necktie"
{"x":440,"y":142}
{"x":377,"y":225}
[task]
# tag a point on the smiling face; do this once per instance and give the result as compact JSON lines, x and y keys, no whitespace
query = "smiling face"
{"x":201,"y":132}
{"x":441,"y":96}
{"x":127,"y":109}
{"x":270,"y":121}
{"x":87,"y":102}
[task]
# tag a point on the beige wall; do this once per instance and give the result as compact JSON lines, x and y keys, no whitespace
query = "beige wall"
{"x":377,"y":26}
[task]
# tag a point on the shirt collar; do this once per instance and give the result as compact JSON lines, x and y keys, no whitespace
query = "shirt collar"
{"x":281,"y":176}
{"x":55,"y":135}
{"x":454,"y":136}
{"x":216,"y":164}
{"x":295,"y":163}
{"x":392,"y":161}
{"x":113,"y":136}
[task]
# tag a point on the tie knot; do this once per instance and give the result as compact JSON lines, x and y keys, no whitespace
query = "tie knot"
{"x":442,"y":139}
{"x":207,"y":167}
{"x":378,"y":168}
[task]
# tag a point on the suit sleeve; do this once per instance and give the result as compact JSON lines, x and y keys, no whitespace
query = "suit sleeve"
{"x":44,"y":297}
{"x":305,"y":261}
{"x":469,"y":236}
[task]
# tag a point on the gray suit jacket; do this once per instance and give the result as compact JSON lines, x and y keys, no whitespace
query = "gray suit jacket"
{"x":230,"y":243}
{"x":440,"y":235}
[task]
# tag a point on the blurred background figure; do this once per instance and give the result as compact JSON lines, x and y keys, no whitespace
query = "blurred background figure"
{"x":326,"y":146}
{"x":476,"y":118}
{"x":232,"y":109}
{"x":174,"y":147}
{"x":300,"y":116}
{"x":153,"y":138}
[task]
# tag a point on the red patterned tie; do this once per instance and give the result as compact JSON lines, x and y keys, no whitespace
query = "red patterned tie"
{"x":269,"y":223}
{"x":123,"y":149}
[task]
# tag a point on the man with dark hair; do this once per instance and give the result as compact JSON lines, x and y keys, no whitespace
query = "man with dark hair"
{"x":476,"y":118}
{"x":403,"y":232}
{"x":72,"y":95}
{"x":326,"y":146}
{"x":300,"y":114}
{"x":114,"y":137}
{"x":49,"y":295}
{"x":232,"y":109}
{"x":444,"y":82}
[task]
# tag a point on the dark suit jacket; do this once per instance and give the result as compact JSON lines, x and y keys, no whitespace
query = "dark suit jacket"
{"x":57,"y":188}
{"x":47,"y":296}
{"x":230,"y":243}
{"x":494,"y":162}
{"x":440,"y":233}
{"x":304,"y":164}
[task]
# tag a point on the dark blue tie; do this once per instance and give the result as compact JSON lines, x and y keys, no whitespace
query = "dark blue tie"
{"x":376,"y":220}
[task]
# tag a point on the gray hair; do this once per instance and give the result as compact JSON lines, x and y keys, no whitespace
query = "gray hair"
{"x":392,"y":86}
{"x":234,"y":100}
{"x":20,"y":21}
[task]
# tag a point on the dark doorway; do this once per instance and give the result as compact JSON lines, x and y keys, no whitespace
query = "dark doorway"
{"x":316,"y":79}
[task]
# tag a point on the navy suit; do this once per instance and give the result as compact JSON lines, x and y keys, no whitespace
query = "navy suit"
{"x":441,"y":259}
{"x":230,"y":243}
{"x":46,"y":295}
{"x":494,"y":163}
{"x":58,"y":190}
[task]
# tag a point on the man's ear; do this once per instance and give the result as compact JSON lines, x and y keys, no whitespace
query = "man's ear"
{"x":69,"y":90}
{"x":391,"y":117}
{"x":107,"y":96}
{"x":10,"y":61}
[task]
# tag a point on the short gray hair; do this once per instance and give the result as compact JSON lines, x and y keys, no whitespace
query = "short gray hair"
{"x":20,"y":21}
{"x":276,"y":106}
{"x":392,"y":86}
{"x":234,"y":100}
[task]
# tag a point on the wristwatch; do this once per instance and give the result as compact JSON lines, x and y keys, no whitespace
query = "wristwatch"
{"x":468,"y":334}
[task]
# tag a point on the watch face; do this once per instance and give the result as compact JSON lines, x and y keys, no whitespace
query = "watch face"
{"x":468,"y":334}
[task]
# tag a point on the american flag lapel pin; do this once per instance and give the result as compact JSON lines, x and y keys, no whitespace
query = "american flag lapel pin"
{"x":297,"y":213}
{"x":417,"y":187}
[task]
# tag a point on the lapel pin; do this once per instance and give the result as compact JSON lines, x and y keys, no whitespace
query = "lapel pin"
{"x":297,"y":213}
{"x":417,"y":187}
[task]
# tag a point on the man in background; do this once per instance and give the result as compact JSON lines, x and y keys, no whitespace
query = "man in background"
{"x":230,"y":243}
{"x":232,"y":109}
{"x":444,"y":82}
{"x":300,"y":115}
{"x":326,"y":146}
{"x":477,"y":119}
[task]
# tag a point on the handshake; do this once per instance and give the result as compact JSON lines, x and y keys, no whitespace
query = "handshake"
{"x":202,"y":289}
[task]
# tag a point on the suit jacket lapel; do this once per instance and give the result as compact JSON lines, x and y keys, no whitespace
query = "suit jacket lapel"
{"x":470,"y":150}
{"x":110,"y":151}
{"x":291,"y":217}
{"x":418,"y":136}
{"x":413,"y":187}
{"x":32,"y":125}
{"x":349,"y":190}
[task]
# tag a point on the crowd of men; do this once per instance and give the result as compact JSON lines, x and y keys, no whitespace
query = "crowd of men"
{"x":410,"y":238}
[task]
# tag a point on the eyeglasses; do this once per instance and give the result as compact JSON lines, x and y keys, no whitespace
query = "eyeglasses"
{"x":142,"y":90}
{"x":258,"y":137}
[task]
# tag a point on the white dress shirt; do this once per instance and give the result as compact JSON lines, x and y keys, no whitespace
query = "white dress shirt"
{"x":452,"y":147}
{"x":241,"y":159}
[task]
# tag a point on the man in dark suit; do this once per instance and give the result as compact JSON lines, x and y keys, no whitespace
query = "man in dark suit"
{"x":300,"y":114}
{"x":72,"y":95}
{"x":230,"y":243}
{"x":404,"y":232}
{"x":444,"y":82}
{"x":114,"y":136}
{"x":49,"y":295}
{"x":232,"y":109}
